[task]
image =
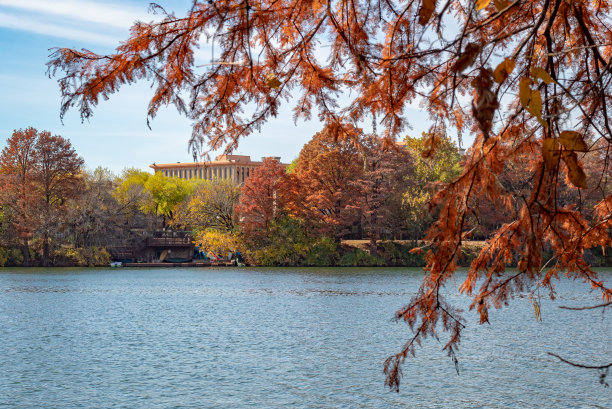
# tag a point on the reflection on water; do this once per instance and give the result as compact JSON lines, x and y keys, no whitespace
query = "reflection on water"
{"x":262,"y":338}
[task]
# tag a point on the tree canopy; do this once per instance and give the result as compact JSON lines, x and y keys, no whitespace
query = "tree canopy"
{"x":40,"y":173}
{"x":155,"y":194}
{"x":529,"y":81}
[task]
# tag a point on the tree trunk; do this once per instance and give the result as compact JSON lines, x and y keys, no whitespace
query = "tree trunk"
{"x":45,"y":260}
{"x":25,"y":250}
{"x":45,"y":243}
{"x":373,"y":246}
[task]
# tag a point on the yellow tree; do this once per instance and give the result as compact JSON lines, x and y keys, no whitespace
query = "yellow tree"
{"x":210,"y":206}
{"x":219,"y":242}
{"x":153,"y":194}
{"x":517,"y":76}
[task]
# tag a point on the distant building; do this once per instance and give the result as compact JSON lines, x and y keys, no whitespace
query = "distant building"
{"x":234,"y":167}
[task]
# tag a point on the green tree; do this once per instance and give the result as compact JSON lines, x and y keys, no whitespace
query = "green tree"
{"x":154,"y":194}
{"x":430,"y":168}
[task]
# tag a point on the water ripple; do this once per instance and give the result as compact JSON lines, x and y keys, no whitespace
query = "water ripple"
{"x":298,"y":338}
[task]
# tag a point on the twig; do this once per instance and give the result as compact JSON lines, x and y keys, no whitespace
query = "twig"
{"x":604,"y":305}
{"x":601,"y":367}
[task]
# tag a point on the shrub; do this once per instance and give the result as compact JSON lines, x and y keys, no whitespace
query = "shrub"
{"x":10,"y":257}
{"x":3,"y":256}
{"x":360,"y":258}
{"x":279,"y":254}
{"x":323,"y":253}
{"x":397,"y":254}
{"x":82,"y":257}
{"x":287,"y":245}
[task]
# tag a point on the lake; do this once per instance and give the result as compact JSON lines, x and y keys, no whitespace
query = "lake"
{"x":286,"y":337}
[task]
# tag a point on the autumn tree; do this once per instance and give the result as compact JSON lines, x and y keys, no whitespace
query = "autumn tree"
{"x":260,"y":202}
{"x":210,"y":206}
{"x":320,"y":189}
{"x":57,"y":178}
{"x":41,"y":172}
{"x":95,"y":217}
{"x":386,"y":174}
{"x":219,"y":242}
{"x":514,"y":76}
{"x":18,"y":191}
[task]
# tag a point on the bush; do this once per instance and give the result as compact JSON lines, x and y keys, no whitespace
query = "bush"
{"x":469,"y":252}
{"x":360,"y":258}
{"x":82,"y":257}
{"x":287,"y":245}
{"x":68,"y":256}
{"x":279,"y":254}
{"x":3,"y":256}
{"x":397,"y":254}
{"x":10,"y":257}
{"x":323,"y":253}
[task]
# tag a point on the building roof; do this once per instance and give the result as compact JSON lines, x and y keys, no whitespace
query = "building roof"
{"x":220,"y":160}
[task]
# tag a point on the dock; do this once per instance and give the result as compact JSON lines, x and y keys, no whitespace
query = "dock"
{"x":188,"y":264}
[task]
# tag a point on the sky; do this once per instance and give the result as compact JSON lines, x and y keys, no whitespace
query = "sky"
{"x":117,"y":135}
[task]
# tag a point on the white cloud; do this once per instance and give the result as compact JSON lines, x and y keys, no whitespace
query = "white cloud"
{"x":55,"y":30}
{"x":109,"y":14}
{"x":48,"y":29}
{"x":81,"y":20}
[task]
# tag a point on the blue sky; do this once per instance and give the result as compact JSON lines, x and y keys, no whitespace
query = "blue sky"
{"x":117,"y":135}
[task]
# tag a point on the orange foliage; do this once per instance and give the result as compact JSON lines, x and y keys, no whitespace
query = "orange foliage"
{"x":320,"y":190}
{"x":535,"y":69}
{"x":260,"y":202}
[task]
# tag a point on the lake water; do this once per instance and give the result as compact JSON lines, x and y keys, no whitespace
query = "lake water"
{"x":268,"y":338}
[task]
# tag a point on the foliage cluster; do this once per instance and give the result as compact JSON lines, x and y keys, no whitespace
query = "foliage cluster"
{"x":10,"y":257}
{"x":81,"y":257}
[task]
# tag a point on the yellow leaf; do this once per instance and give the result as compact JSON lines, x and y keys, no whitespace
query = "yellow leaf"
{"x":541,"y":73}
{"x":503,"y":70}
{"x":573,"y":141}
{"x":481,"y":4}
{"x":426,"y":11}
{"x":575,"y":173}
{"x":525,"y":91}
{"x":272,"y":81}
{"x":500,"y":4}
{"x":535,"y":104}
{"x":551,"y":152}
{"x":537,"y":313}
